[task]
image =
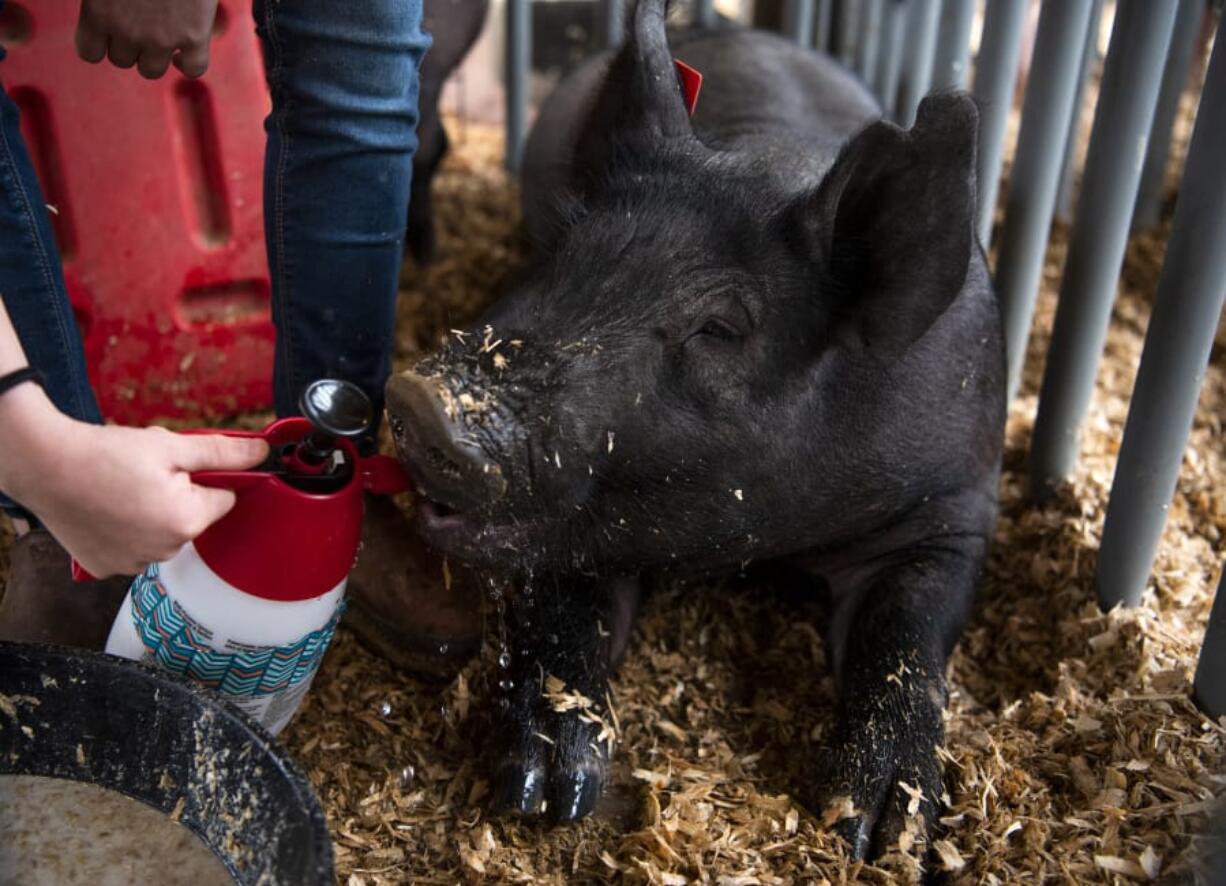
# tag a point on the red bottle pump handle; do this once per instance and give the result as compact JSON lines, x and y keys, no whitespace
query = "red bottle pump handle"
{"x":382,"y":475}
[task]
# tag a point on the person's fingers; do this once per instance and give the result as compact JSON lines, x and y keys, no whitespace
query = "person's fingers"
{"x":131,"y":567}
{"x":153,"y":63}
{"x":211,"y":506}
{"x":105,"y":566}
{"x":96,"y":568}
{"x":193,"y":60}
{"x":217,"y":452}
{"x":90,"y":40}
{"x":122,"y":53}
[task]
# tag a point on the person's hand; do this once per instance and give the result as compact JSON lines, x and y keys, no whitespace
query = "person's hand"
{"x":120,"y":498}
{"x":147,"y":33}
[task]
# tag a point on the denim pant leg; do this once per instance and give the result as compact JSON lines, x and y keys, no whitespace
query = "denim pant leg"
{"x":341,"y":138}
{"x":32,"y":281}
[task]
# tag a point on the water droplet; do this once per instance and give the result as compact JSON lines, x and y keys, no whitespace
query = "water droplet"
{"x":386,"y":709}
{"x":504,"y":659}
{"x":407,"y":774}
{"x":442,"y":649}
{"x":506,"y":684}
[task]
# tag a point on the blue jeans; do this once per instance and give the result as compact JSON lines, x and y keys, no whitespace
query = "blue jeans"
{"x":31,"y":279}
{"x":338,"y":165}
{"x":341,"y":138}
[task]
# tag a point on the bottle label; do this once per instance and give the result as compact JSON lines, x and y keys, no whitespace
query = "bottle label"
{"x":175,"y":641}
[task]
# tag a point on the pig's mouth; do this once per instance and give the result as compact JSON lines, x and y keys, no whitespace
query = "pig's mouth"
{"x":476,"y":537}
{"x":437,"y":516}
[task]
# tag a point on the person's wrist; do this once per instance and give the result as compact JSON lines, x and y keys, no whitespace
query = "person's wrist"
{"x":34,"y":432}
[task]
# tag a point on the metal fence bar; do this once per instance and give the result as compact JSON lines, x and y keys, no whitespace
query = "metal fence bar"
{"x":798,"y":20}
{"x":1188,"y":303}
{"x":518,"y":58}
{"x":918,"y":59}
{"x":847,"y":29}
{"x":1209,"y":686}
{"x":822,"y":25}
{"x":953,"y":55}
{"x":868,"y":40}
{"x":889,"y":58}
{"x":995,"y":76}
{"x":1174,"y":81}
{"x":1122,"y":119}
{"x":704,"y":13}
{"x":1036,"y":169}
{"x":612,"y":23}
{"x":1068,"y":170}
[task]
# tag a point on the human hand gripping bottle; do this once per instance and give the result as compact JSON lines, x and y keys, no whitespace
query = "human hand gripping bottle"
{"x":248,"y":608}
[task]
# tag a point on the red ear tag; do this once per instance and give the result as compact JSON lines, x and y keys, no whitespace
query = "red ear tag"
{"x":691,"y":84}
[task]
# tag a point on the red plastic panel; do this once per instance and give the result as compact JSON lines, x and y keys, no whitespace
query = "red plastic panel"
{"x":158,"y":189}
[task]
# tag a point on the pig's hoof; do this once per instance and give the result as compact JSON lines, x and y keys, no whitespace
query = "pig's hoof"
{"x":555,"y":794}
{"x":857,"y":832}
{"x":518,"y":790}
{"x":881,"y":805}
{"x":557,"y":788}
{"x":552,"y":768}
{"x":573,"y":796}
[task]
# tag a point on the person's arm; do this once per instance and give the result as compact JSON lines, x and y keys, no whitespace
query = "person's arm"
{"x":147,"y":33}
{"x":115,"y":498}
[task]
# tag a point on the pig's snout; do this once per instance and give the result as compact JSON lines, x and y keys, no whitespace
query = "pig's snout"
{"x":434,"y":442}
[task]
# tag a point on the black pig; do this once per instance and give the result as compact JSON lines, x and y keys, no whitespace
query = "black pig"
{"x":766,"y":333}
{"x":455,"y":26}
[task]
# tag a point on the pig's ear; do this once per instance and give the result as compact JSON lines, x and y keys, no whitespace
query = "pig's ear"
{"x":639,"y":109}
{"x":893,"y":222}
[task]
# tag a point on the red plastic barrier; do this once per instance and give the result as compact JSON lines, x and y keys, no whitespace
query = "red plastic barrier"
{"x":158,"y":189}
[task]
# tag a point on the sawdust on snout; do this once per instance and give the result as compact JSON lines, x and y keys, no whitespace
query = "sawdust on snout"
{"x":468,"y":405}
{"x":1072,"y":754}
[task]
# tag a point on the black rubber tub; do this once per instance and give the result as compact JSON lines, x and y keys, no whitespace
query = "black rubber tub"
{"x":94,"y":718}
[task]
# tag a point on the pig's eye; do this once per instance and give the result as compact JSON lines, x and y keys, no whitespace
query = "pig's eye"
{"x":720,"y":330}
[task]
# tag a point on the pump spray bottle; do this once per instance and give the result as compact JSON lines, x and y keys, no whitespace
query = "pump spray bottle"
{"x":248,"y":608}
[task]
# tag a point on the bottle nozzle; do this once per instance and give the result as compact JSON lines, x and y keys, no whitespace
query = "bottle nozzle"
{"x":335,"y":408}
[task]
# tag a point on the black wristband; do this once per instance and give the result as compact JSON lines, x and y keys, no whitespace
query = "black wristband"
{"x":13,"y":379}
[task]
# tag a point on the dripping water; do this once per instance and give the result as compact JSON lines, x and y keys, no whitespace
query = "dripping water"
{"x":498,"y":596}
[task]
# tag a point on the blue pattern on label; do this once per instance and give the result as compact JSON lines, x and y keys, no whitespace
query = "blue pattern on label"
{"x":177,"y":646}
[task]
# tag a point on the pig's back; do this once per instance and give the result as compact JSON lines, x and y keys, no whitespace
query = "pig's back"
{"x":783,"y":109}
{"x":764,"y":94}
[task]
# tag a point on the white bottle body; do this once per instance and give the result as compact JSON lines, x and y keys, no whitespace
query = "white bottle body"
{"x":260,"y":655}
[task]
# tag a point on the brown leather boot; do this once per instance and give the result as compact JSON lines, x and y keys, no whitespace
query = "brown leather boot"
{"x":42,"y":604}
{"x":405,"y":604}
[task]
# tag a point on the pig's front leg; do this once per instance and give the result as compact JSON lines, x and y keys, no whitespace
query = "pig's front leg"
{"x":889,"y":642}
{"x":555,"y":733}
